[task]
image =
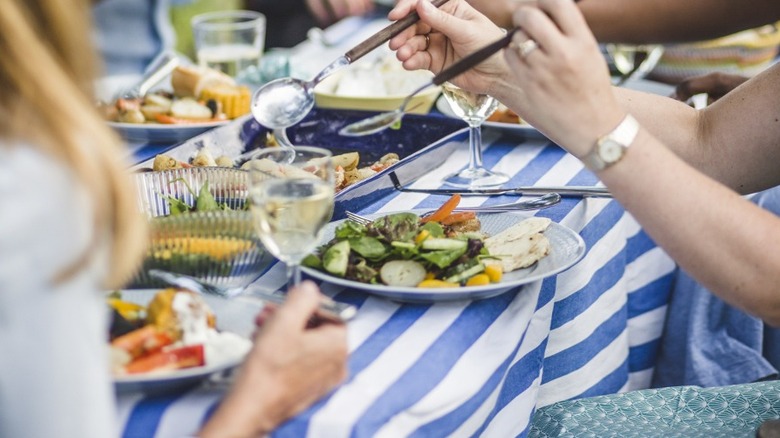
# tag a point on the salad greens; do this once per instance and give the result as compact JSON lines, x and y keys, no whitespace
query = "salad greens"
{"x":204,"y":201}
{"x":363,"y":253}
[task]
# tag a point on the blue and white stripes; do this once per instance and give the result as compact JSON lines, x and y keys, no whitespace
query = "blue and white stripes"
{"x":481,"y":367}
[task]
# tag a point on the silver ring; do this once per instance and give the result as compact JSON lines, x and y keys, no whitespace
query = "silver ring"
{"x":526,"y":47}
{"x":427,"y":42}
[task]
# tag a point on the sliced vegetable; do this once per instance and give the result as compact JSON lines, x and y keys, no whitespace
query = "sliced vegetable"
{"x":444,"y":244}
{"x":174,"y":359}
{"x":474,"y":270}
{"x":143,"y":341}
{"x":494,"y":272}
{"x":336,"y":258}
{"x":457,"y":217}
{"x":406,"y":273}
{"x":436,"y":284}
{"x":478,"y":280}
{"x":445,"y":210}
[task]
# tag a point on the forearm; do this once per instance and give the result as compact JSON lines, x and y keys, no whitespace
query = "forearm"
{"x":667,"y":21}
{"x":727,"y":243}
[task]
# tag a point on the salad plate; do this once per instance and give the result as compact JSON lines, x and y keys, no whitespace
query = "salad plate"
{"x":231,"y":316}
{"x":567,"y":248}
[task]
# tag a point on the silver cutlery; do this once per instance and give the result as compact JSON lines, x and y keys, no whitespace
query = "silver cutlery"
{"x":329,"y":309}
{"x":545,"y":201}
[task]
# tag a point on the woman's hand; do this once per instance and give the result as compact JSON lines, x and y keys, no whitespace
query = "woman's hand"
{"x":453,"y":31}
{"x":716,"y":85}
{"x":293,"y":363}
{"x":562,"y":87}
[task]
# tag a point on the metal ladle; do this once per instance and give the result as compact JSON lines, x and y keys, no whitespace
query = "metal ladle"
{"x":286,"y":101}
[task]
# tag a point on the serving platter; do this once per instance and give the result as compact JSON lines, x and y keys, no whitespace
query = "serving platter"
{"x":232,"y":316}
{"x":567,"y":248}
{"x":422,"y":143}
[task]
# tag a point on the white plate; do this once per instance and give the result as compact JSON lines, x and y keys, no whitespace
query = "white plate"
{"x":567,"y":248}
{"x":444,"y":107}
{"x":159,"y":133}
{"x":232,"y":316}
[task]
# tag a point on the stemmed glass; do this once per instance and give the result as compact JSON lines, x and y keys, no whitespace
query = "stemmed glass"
{"x":634,"y":61}
{"x":473,"y":108}
{"x":291,"y":199}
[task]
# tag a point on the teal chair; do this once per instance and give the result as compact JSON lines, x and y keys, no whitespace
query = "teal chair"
{"x":683,"y":411}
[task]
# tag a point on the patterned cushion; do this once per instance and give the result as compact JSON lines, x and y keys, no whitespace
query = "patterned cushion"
{"x":690,"y":411}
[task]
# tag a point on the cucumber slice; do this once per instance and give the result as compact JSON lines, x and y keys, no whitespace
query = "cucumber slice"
{"x":444,"y":244}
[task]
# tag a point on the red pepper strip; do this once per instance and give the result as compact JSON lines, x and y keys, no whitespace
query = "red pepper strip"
{"x":459,"y":216}
{"x":177,"y":358}
{"x":170,"y":120}
{"x":445,"y":210}
{"x":142,"y":341}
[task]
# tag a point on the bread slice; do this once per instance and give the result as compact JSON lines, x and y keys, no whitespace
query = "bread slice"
{"x":520,"y":245}
{"x":190,"y":81}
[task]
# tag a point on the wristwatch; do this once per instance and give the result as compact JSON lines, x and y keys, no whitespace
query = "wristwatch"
{"x":610,"y":148}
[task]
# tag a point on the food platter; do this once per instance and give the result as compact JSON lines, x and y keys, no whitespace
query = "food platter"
{"x":231,"y":316}
{"x":567,"y":248}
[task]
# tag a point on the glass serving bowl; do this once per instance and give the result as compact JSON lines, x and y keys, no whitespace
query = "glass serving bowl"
{"x":219,"y":247}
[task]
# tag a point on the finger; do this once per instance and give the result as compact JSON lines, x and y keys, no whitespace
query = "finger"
{"x":536,"y":25}
{"x":339,"y":8}
{"x":300,"y":305}
{"x":438,"y":19}
{"x":402,"y":38}
{"x":566,"y":15}
{"x":264,"y":314}
{"x":318,"y":10}
{"x":401,"y":9}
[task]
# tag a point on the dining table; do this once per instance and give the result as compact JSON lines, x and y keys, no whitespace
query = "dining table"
{"x":471,"y":367}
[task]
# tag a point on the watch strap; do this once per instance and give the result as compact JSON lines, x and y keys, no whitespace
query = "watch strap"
{"x":623,"y":135}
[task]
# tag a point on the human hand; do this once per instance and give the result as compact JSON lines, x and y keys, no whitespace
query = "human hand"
{"x":716,"y":85}
{"x":454,"y":30}
{"x":562,"y":86}
{"x":327,"y":12}
{"x":293,"y":363}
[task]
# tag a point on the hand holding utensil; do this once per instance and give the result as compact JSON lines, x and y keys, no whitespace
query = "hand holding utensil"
{"x":286,"y":101}
{"x":383,"y":121}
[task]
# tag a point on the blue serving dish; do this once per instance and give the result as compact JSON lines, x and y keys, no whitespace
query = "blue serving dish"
{"x":423,"y":142}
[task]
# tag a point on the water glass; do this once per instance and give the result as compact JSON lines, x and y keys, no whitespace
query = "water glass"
{"x":229,"y":41}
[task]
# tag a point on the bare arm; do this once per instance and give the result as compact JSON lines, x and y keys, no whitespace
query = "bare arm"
{"x":734,"y":140}
{"x":563,"y":88}
{"x":656,"y":21}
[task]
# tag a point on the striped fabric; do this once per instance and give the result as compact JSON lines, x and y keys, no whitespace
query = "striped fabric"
{"x":479,"y":367}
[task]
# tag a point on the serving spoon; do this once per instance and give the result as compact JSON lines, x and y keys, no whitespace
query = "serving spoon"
{"x":385,"y":120}
{"x":286,"y":101}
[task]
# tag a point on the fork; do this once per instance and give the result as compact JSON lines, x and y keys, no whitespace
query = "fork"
{"x":545,"y":201}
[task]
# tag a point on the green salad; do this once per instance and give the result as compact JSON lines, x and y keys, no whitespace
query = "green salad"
{"x":401,"y":250}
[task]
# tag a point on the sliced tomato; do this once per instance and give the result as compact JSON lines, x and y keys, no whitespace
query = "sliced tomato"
{"x":173,"y":359}
{"x":459,"y":216}
{"x":445,"y":210}
{"x":143,"y":341}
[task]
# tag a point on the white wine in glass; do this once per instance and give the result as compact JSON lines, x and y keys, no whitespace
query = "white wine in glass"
{"x":473,"y":108}
{"x":634,"y":61}
{"x":291,"y":201}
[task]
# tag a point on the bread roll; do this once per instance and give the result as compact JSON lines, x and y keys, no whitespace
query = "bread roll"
{"x":190,"y":81}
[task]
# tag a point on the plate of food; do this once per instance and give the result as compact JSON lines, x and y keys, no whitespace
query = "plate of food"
{"x":198,"y":99}
{"x":453,"y":256}
{"x":163,"y":340}
{"x":502,"y":117}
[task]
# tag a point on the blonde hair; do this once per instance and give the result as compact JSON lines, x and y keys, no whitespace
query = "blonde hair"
{"x":47,"y":68}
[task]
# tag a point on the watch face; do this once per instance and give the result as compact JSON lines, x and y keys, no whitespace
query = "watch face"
{"x":610,"y":151}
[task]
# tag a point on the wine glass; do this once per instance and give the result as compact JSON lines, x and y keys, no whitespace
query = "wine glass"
{"x":634,"y":60}
{"x":291,"y":199}
{"x":473,"y":108}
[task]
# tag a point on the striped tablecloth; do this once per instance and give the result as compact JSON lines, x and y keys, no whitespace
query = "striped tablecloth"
{"x":480,"y":367}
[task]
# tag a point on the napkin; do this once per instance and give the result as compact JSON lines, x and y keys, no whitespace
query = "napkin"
{"x":707,"y":342}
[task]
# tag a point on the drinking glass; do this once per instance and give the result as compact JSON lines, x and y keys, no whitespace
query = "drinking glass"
{"x":634,"y":60}
{"x":229,"y":41}
{"x":291,"y":199}
{"x":473,"y":108}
